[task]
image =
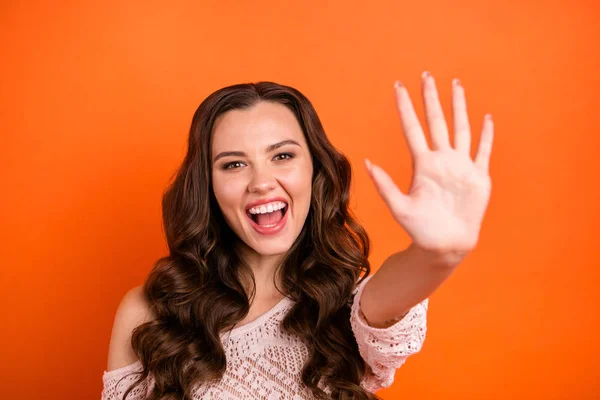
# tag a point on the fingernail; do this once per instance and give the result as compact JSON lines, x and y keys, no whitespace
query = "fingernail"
{"x":456,"y":82}
{"x":368,"y":163}
{"x":398,"y":84}
{"x":425,"y":74}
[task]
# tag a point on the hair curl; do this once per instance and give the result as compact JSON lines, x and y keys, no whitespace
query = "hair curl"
{"x":196,"y":291}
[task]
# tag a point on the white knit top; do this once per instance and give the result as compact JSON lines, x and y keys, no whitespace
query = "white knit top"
{"x":264,"y":363}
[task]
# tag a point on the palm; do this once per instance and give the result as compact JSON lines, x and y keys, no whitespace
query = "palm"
{"x":449,"y":193}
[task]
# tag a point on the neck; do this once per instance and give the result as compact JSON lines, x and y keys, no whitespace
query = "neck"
{"x":263,"y":268}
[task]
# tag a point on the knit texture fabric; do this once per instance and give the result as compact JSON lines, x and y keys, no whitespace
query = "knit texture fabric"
{"x":264,"y":363}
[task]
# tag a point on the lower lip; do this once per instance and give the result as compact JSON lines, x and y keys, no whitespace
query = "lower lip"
{"x":272,"y":229}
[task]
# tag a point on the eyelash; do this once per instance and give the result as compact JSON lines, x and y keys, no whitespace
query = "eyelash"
{"x":290,"y":156}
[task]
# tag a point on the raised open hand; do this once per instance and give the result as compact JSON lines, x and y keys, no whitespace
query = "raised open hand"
{"x":449,"y":192}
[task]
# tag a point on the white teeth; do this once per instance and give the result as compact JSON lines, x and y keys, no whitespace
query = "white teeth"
{"x":263,"y":209}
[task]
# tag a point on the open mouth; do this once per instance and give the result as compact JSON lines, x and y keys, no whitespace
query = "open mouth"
{"x":269,"y":218}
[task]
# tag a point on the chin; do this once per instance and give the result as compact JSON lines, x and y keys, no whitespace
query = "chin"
{"x":271,"y":249}
{"x":266,"y":246}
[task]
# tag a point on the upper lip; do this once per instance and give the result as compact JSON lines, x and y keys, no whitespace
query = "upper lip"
{"x":264,"y":201}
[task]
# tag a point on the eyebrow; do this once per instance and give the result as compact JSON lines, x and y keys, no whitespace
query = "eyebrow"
{"x":267,"y":150}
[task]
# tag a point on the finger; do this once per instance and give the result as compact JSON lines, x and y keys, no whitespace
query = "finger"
{"x":393,"y":197}
{"x":413,"y":133}
{"x":369,"y":165}
{"x":462,"y":130}
{"x":435,"y":114}
{"x":482,"y":159}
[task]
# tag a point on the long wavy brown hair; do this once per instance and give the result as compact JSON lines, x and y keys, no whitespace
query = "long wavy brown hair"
{"x":196,"y":291}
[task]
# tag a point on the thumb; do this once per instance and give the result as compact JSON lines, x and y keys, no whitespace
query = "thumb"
{"x":397,"y":202}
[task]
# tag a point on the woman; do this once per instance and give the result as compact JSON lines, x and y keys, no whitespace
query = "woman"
{"x":261,"y":295}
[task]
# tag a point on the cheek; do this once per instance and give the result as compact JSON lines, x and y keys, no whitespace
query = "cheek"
{"x":297,"y":182}
{"x":227,"y":192}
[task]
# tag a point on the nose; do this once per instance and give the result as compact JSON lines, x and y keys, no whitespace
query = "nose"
{"x":262,"y":180}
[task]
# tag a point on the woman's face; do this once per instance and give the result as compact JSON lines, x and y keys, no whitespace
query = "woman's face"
{"x":261,"y":163}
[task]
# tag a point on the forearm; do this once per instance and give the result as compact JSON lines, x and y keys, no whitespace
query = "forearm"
{"x":405,"y":279}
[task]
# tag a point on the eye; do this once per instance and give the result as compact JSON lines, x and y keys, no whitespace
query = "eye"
{"x":228,"y":165}
{"x":288,"y":156}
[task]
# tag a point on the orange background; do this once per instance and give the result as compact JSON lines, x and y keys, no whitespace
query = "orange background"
{"x":97,"y":99}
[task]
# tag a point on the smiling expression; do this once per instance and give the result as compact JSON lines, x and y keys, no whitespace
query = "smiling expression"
{"x":261,"y":164}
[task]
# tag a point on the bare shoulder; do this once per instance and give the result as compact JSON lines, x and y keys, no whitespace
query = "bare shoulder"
{"x":131,"y":313}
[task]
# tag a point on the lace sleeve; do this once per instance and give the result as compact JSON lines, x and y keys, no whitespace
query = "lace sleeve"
{"x":117,"y":381}
{"x":385,"y":349}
